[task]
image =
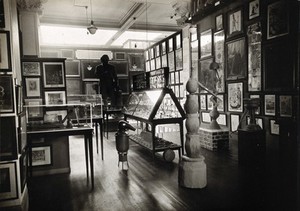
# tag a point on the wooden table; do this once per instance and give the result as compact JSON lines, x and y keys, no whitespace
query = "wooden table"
{"x":86,"y":131}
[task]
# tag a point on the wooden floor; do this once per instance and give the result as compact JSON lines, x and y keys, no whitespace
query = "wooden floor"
{"x":153,"y":185}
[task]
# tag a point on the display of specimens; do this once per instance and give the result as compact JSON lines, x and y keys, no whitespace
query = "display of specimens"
{"x":41,"y":156}
{"x":235,"y":97}
{"x":33,"y":87}
{"x":219,"y":38}
{"x":254,"y":56}
{"x":206,"y":44}
{"x":270,"y":105}
{"x":53,"y":74}
{"x":31,"y":68}
{"x":55,"y":97}
{"x":234,"y":122}
{"x":6,"y":94}
{"x":285,"y":105}
{"x":8,"y":181}
{"x":274,"y":127}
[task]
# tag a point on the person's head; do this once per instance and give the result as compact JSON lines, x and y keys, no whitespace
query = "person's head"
{"x":104,"y":59}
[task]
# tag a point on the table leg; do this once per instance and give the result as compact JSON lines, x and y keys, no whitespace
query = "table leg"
{"x":90,"y":139}
{"x":96,"y":128}
{"x":101,"y":137}
{"x":86,"y":157}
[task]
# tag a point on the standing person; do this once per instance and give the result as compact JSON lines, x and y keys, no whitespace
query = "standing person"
{"x":108,"y":80}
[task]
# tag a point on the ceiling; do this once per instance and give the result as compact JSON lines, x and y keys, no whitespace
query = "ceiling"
{"x":121,"y":15}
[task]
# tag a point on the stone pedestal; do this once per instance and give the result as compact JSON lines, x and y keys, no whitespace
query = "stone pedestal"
{"x":192,"y":172}
{"x":214,"y":139}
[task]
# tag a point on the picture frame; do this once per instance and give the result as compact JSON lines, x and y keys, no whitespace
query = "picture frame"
{"x":91,"y":87}
{"x":121,"y":67}
{"x":42,"y":156}
{"x":203,"y":101}
{"x":254,"y":9}
{"x":88,"y":69}
{"x":205,"y":117}
{"x":73,"y":86}
{"x":54,"y":74}
{"x":120,"y":56}
{"x":236,"y":63}
{"x":277,"y":20}
{"x":270,"y":105}
{"x":33,"y":87}
{"x":235,"y":23}
{"x":235,"y":97}
{"x":219,"y":22}
{"x":136,"y":62}
{"x":179,"y":59}
{"x":274,"y":127}
{"x":285,"y":105}
{"x":72,"y":68}
{"x":206,"y":44}
{"x":219,"y":47}
{"x":55,"y":97}
{"x":6,"y":94}
{"x":178,"y":41}
{"x":8,"y":179}
{"x":206,"y":76}
{"x":55,"y":116}
{"x":254,"y":34}
{"x":31,"y":68}
{"x":234,"y":122}
{"x":8,"y":137}
{"x":34,"y":109}
{"x":5,"y":59}
{"x":170,"y":44}
{"x":222,"y":119}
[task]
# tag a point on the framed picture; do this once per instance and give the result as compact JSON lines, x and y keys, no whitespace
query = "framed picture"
{"x":31,"y":68}
{"x":88,"y":69}
{"x":5,"y":60}
{"x":235,"y":23}
{"x":285,"y":106}
{"x":121,"y":67}
{"x":258,"y":121}
{"x":54,"y":75}
{"x":72,"y":68}
{"x":206,"y":44}
{"x":23,"y":170}
{"x":171,"y":61}
{"x":178,"y":41}
{"x":41,"y":156}
{"x":222,"y":119}
{"x":206,"y":76}
{"x":254,"y":34}
{"x":55,"y":97}
{"x":34,"y":109}
{"x":170,"y":44}
{"x":270,"y":105}
{"x":179,"y":59}
{"x":8,"y":181}
{"x":219,"y":22}
{"x":235,"y":97}
{"x":257,"y":111}
{"x":236,"y":59}
{"x":219,"y":38}
{"x":234,"y":122}
{"x":274,"y":127}
{"x":136,"y":62}
{"x":277,"y":20}
{"x":120,"y":55}
{"x":203,"y":102}
{"x":33,"y":87}
{"x":205,"y":117}
{"x":90,"y":87}
{"x":6,"y":94}
{"x":163,"y":48}
{"x":8,"y":149}
{"x":73,"y":86}
{"x":253,"y":9}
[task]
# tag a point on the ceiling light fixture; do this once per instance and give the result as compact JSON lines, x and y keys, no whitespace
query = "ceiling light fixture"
{"x":92,"y":28}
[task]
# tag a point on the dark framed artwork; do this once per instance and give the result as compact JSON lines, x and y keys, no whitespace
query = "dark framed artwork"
{"x":219,"y":22}
{"x":285,"y":105}
{"x":6,"y":94}
{"x":148,"y":66}
{"x":5,"y":59}
{"x":151,"y":51}
{"x":8,"y":181}
{"x":254,"y":34}
{"x":209,"y":102}
{"x":34,"y":109}
{"x":274,"y":127}
{"x":235,"y":97}
{"x":270,"y":105}
{"x":236,"y":62}
{"x":146,"y":54}
{"x":179,"y":59}
{"x":235,"y":23}
{"x":206,"y":44}
{"x":33,"y":87}
{"x":277,"y":20}
{"x":31,"y":68}
{"x":152,"y":64}
{"x":88,"y":69}
{"x":72,"y":68}
{"x":2,"y":15}
{"x":206,"y":76}
{"x":254,"y":9}
{"x":234,"y":122}
{"x":73,"y":86}
{"x":42,"y":156}
{"x":219,"y":38}
{"x":220,"y":102}
{"x":8,"y":139}
{"x":55,"y":97}
{"x":54,"y":74}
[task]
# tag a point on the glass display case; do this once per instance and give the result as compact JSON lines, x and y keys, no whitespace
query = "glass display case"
{"x":151,"y":108}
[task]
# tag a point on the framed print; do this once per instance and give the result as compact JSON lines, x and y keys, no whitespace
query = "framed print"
{"x":219,"y":38}
{"x":277,"y":19}
{"x":163,"y":48}
{"x":206,"y":76}
{"x":274,"y":127}
{"x":254,"y":34}
{"x":236,"y":63}
{"x":41,"y":156}
{"x":33,"y":87}
{"x":23,"y":170}
{"x":253,"y":9}
{"x":31,"y":68}
{"x":6,"y":94}
{"x":120,"y":55}
{"x":8,"y":138}
{"x":206,"y":44}
{"x":205,"y":117}
{"x":8,"y":181}
{"x":285,"y":106}
{"x":73,"y":86}
{"x":90,"y":87}
{"x":88,"y":69}
{"x":235,"y":23}
{"x":164,"y":61}
{"x":136,"y":62}
{"x":158,"y":62}
{"x":54,"y":75}
{"x":171,"y":61}
{"x":55,"y":97}
{"x":270,"y":105}
{"x":257,"y":111}
{"x":203,"y":102}
{"x":178,"y":41}
{"x":72,"y":68}
{"x":34,"y":109}
{"x":179,"y":59}
{"x":235,"y":97}
{"x":222,"y":119}
{"x":5,"y":60}
{"x":234,"y":122}
{"x":219,"y":22}
{"x":170,"y":44}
